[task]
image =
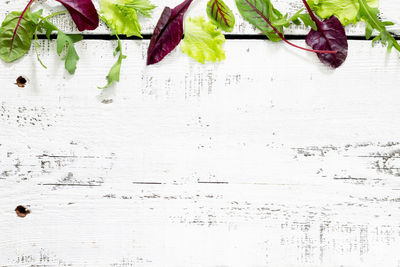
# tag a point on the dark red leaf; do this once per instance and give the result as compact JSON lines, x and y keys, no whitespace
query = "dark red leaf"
{"x":83,"y":13}
{"x":167,"y":33}
{"x":329,"y":36}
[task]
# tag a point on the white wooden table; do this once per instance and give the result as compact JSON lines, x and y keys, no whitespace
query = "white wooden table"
{"x":266,"y":159}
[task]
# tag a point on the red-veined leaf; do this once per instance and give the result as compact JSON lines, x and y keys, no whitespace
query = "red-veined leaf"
{"x":221,"y":15}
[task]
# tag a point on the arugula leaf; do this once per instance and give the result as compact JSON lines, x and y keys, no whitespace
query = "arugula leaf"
{"x":66,"y":42}
{"x":298,"y":18}
{"x":167,"y":33}
{"x":203,"y":41}
{"x":221,"y":15}
{"x":122,"y":15}
{"x":370,"y":16}
{"x":47,"y":27}
{"x":34,"y":16}
{"x":44,"y":26}
{"x":345,"y":10}
{"x":113,"y":74}
{"x":16,"y":34}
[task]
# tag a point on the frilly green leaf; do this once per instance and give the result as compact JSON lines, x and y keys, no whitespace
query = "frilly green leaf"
{"x":122,"y":15}
{"x":203,"y":41}
{"x":345,"y":10}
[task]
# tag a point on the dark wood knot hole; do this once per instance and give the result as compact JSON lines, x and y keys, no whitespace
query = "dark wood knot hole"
{"x":21,"y":211}
{"x":21,"y":81}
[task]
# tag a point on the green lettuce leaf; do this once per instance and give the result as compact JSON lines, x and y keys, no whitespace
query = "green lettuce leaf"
{"x":345,"y":10}
{"x":203,"y":41}
{"x":122,"y":15}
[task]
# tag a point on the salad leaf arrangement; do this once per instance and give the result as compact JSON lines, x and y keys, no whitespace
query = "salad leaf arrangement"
{"x":203,"y":40}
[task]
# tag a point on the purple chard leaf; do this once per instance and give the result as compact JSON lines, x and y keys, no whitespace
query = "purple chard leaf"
{"x":329,"y":36}
{"x":83,"y":13}
{"x":167,"y":33}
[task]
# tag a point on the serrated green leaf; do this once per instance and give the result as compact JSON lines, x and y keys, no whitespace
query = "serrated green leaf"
{"x":43,"y":25}
{"x":11,"y":50}
{"x":370,"y":16}
{"x":122,"y":15}
{"x":48,"y":28}
{"x":368,"y":31}
{"x":305,"y":18}
{"x":203,"y":41}
{"x":71,"y":57}
{"x":114,"y":73}
{"x":345,"y":10}
{"x":221,"y":15}
{"x":34,"y":16}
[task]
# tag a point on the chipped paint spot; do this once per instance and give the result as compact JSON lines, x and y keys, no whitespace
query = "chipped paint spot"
{"x":388,"y":163}
{"x":107,"y":101}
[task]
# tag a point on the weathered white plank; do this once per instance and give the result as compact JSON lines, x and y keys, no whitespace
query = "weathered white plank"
{"x":390,"y":9}
{"x":201,"y":225}
{"x":266,"y":159}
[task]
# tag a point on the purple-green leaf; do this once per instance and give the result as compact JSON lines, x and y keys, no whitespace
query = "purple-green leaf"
{"x":330,"y":35}
{"x":167,"y":33}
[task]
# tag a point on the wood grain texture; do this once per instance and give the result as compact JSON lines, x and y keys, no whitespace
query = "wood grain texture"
{"x":266,"y":159}
{"x":390,"y":9}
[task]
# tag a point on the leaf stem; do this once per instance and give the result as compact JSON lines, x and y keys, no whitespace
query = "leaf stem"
{"x":313,"y":17}
{"x":42,"y":19}
{"x":121,"y":56}
{"x":19,"y":23}
{"x":281,"y":35}
{"x":54,"y":14}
